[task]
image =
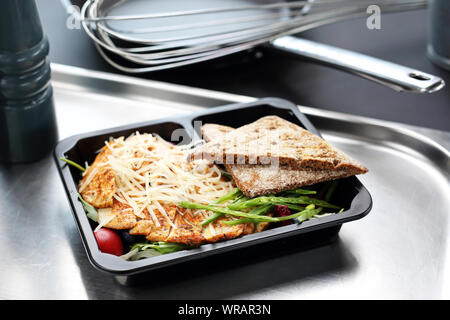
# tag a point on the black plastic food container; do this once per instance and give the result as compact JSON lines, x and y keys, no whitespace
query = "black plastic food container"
{"x":350,"y":193}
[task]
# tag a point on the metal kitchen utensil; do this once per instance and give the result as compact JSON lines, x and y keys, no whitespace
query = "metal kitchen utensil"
{"x":142,"y":36}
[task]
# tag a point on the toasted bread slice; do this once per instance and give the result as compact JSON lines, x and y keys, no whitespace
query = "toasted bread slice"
{"x":254,"y":180}
{"x":273,"y":140}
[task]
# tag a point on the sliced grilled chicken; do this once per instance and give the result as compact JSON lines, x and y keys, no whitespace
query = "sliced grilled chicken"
{"x":98,"y":184}
{"x":187,"y":229}
{"x":123,"y":216}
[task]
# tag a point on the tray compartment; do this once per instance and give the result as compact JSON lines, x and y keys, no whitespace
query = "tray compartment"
{"x":353,"y":196}
{"x":238,"y":116}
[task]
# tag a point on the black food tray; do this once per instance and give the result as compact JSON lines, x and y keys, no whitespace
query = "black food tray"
{"x":350,"y":193}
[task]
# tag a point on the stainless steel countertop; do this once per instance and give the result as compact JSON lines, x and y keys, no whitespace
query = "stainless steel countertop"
{"x":389,"y":254}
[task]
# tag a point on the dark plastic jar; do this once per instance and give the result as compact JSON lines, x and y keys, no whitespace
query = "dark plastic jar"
{"x":28,"y":129}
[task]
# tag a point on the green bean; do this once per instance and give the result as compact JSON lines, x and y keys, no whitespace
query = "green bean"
{"x":190,"y":205}
{"x":233,"y":194}
{"x":244,"y":220}
{"x":72,"y":163}
{"x":240,"y":198}
{"x":229,"y":196}
{"x":307,"y":214}
{"x":280,"y":200}
{"x":265,"y":208}
{"x":262,"y":209}
{"x":303,"y":215}
{"x":211,"y":218}
{"x":301,"y":191}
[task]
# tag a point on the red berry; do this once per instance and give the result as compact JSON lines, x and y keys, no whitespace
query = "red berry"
{"x":108,"y":241}
{"x":282,"y":211}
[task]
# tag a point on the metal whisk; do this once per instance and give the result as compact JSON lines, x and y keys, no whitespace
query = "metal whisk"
{"x":146,"y":36}
{"x":193,"y":33}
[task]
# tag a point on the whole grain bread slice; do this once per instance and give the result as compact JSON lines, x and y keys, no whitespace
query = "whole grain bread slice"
{"x":273,"y":140}
{"x":255,"y":180}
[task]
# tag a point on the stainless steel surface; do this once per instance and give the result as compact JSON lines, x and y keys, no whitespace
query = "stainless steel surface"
{"x":395,"y":76}
{"x":400,"y":250}
{"x":161,"y":35}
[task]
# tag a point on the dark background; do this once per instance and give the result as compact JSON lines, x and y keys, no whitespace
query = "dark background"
{"x":402,"y":39}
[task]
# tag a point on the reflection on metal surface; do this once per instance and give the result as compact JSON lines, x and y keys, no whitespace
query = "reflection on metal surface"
{"x":401,"y":250}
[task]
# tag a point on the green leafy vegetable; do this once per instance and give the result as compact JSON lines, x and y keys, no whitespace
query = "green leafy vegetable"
{"x":91,"y":212}
{"x":135,"y":254}
{"x":160,"y":246}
